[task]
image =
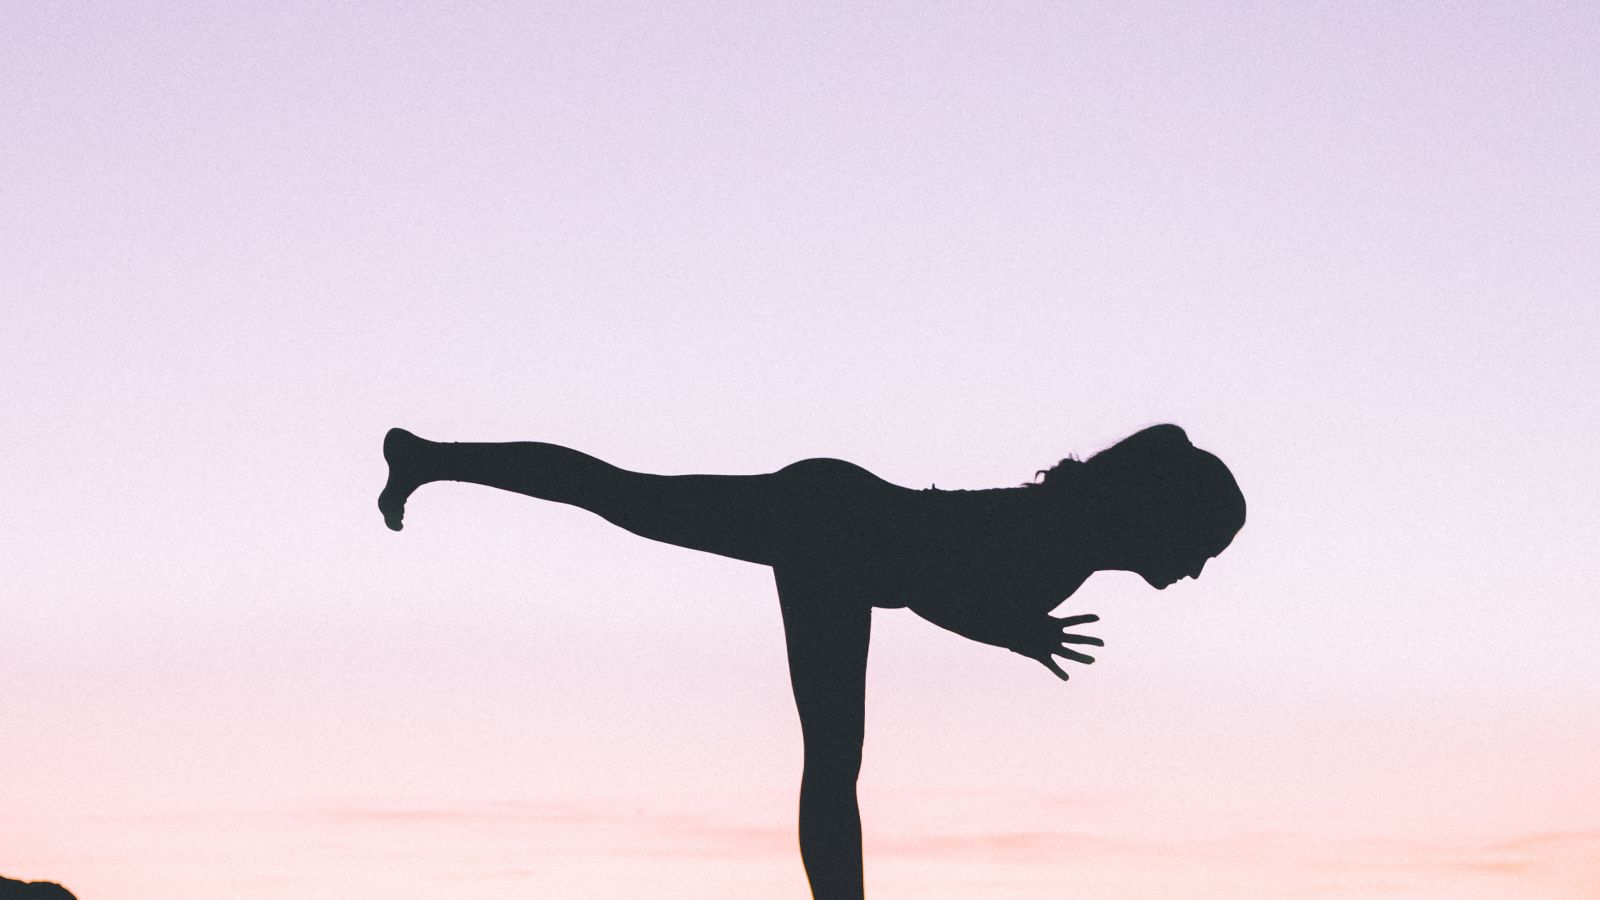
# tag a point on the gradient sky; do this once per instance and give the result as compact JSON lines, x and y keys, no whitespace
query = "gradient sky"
{"x":1353,"y":248}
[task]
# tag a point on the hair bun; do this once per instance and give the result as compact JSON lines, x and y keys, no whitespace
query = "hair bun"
{"x":1166,"y":435}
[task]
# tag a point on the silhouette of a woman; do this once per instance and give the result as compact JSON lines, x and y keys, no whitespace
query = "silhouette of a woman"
{"x":989,"y":565}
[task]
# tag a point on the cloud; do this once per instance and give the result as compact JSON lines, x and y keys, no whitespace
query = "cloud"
{"x":624,"y":828}
{"x":1566,"y":859}
{"x":1011,"y":845}
{"x":517,"y":813}
{"x":516,"y":840}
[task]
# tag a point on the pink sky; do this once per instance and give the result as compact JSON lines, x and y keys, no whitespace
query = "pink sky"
{"x":1350,"y":247}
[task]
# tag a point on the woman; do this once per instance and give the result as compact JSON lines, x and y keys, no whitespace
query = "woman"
{"x":989,"y":565}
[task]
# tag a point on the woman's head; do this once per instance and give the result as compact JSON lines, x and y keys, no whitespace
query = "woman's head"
{"x":1162,"y":505}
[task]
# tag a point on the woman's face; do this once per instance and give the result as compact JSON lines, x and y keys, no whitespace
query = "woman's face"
{"x":1168,"y":529}
{"x":1167,"y":562}
{"x":1164,"y":574}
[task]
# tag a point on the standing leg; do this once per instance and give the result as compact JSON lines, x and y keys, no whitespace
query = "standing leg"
{"x":757,"y":518}
{"x":827,"y":632}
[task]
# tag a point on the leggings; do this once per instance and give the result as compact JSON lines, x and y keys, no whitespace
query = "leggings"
{"x":812,"y":511}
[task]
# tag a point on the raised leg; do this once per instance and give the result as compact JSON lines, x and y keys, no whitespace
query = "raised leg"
{"x":757,"y":518}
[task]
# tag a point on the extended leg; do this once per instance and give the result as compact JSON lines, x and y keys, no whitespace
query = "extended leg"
{"x":749,"y":517}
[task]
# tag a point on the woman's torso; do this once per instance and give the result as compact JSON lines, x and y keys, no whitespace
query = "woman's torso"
{"x":905,"y":547}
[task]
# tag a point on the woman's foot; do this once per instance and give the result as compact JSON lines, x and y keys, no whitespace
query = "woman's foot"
{"x":403,"y":451}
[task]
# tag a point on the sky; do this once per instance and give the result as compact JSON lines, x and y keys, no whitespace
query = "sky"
{"x":1350,"y":247}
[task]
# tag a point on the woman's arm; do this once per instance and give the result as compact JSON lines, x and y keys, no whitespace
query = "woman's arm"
{"x":1040,"y":637}
{"x":827,"y":631}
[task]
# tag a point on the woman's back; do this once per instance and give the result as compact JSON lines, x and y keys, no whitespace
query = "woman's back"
{"x":907,"y":547}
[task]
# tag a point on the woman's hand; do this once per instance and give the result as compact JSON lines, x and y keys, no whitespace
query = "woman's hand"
{"x":1047,"y":637}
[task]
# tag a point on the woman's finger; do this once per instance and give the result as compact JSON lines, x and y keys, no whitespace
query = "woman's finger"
{"x":1075,"y":656}
{"x":1082,"y":639}
{"x":1050,"y":664}
{"x":1070,"y":621}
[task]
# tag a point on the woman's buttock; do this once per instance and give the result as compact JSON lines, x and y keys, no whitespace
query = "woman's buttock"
{"x":822,"y":474}
{"x":842,"y":514}
{"x":837,"y":486}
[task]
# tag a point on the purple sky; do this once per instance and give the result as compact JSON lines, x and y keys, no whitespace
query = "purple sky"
{"x":1353,"y":248}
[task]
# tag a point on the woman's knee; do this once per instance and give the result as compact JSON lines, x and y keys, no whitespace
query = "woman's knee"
{"x":833,"y":770}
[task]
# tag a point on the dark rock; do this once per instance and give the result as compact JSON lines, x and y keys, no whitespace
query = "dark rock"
{"x":33,"y":890}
